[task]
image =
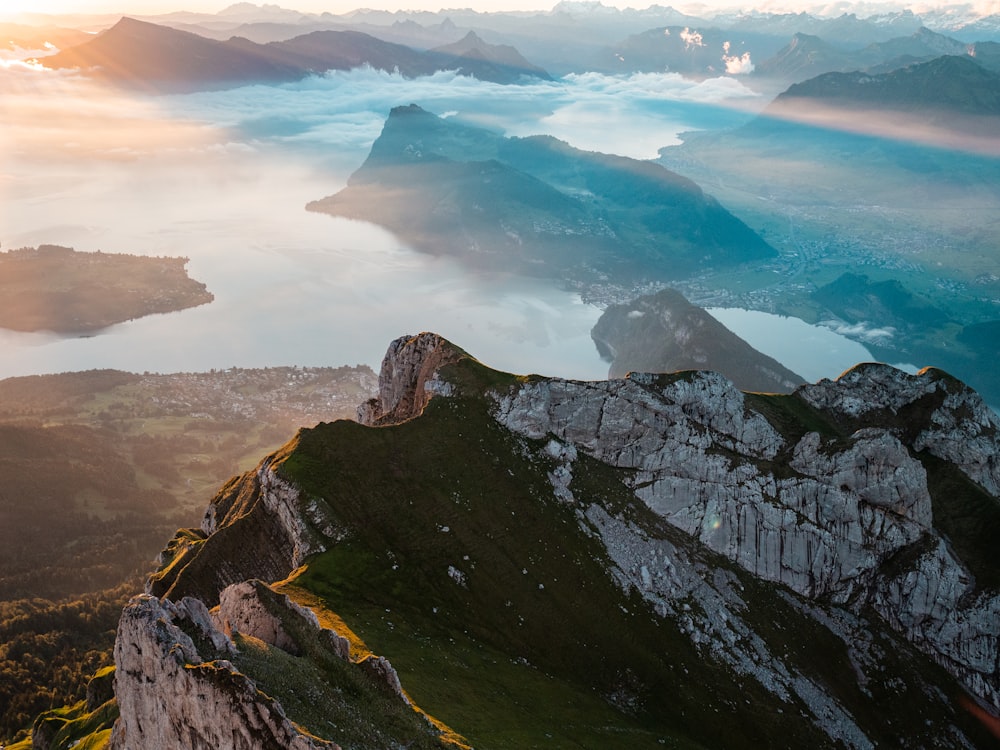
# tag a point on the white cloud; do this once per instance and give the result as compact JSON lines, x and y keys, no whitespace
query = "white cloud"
{"x":738,"y":65}
{"x":691,"y":38}
{"x":343,"y":112}
{"x":860,"y":331}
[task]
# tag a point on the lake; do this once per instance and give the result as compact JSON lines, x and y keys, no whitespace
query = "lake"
{"x":812,"y":351}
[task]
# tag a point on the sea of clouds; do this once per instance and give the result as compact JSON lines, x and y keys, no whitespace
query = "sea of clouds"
{"x":223,"y":177}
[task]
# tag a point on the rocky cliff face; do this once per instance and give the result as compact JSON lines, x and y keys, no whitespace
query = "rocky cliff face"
{"x":793,"y":559}
{"x":823,"y":516}
{"x":408,"y":379}
{"x":278,"y":528}
{"x":169,"y":696}
{"x":180,"y":672}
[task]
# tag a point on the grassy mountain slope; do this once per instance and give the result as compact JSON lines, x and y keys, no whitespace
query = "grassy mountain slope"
{"x":498,"y":606}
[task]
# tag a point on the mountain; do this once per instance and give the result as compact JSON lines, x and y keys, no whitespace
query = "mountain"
{"x":875,"y":175}
{"x":946,"y":88}
{"x":488,"y":62}
{"x":846,"y":30}
{"x":803,"y":57}
{"x":948,"y":102}
{"x":807,"y":56}
{"x":856,"y":298}
{"x":320,"y":51}
{"x":923,"y":43}
{"x":663,"y":332}
{"x":406,"y":32}
{"x":692,"y":51}
{"x":163,"y":59}
{"x":536,"y":205}
{"x":156,"y":58}
{"x":986,"y":54}
{"x":535,"y":561}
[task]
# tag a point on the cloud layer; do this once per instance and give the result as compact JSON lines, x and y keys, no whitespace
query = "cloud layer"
{"x":223,"y":178}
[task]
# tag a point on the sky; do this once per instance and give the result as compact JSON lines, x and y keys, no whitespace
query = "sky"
{"x":140,"y":7}
{"x":309,"y":6}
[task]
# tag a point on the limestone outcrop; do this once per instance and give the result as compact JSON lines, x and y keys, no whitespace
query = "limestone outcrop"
{"x":408,"y":378}
{"x":253,"y":609}
{"x":278,"y":529}
{"x":170,"y":698}
{"x":824,"y":524}
{"x":177,"y":686}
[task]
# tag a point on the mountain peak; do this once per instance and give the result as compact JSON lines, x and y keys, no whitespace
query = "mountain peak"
{"x":404,"y":110}
{"x":410,"y":376}
{"x":482,"y":59}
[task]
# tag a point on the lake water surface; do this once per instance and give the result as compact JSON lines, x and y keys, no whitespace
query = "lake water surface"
{"x":812,"y":351}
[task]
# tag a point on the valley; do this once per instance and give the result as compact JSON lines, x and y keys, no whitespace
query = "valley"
{"x":98,"y":470}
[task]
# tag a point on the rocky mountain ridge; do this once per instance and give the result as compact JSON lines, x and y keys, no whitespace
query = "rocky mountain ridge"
{"x":786,"y":558}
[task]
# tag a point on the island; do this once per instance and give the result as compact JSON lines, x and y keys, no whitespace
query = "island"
{"x":53,"y":288}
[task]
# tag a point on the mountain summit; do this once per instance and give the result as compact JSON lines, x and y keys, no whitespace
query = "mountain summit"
{"x":490,"y":62}
{"x":587,"y":564}
{"x":157,"y":58}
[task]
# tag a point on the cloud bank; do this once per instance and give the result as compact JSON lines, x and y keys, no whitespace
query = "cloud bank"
{"x":631,"y":115}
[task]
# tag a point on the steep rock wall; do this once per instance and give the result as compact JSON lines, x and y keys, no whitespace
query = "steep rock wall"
{"x":171,"y":699}
{"x":408,"y":378}
{"x":820,"y":516}
{"x":262,"y":528}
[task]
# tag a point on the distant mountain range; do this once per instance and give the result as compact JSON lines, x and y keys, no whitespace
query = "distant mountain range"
{"x":162,"y":59}
{"x":957,"y":84}
{"x":579,"y":36}
{"x":487,"y":62}
{"x":573,"y":37}
{"x":954,"y":93}
{"x":698,"y":52}
{"x":537,"y":205}
{"x":807,"y":56}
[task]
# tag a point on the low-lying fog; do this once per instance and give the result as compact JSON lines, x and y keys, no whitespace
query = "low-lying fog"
{"x":223,"y":178}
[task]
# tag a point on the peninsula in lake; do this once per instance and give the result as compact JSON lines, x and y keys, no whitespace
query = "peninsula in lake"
{"x":537,"y":205}
{"x":52,"y":288}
